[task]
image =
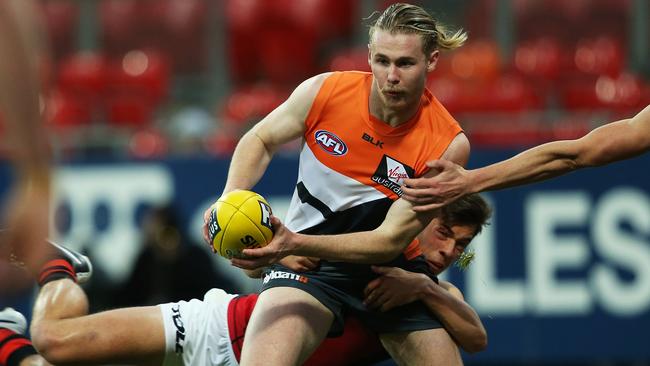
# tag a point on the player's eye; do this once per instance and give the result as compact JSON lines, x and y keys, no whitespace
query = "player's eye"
{"x":442,"y":233}
{"x":381,"y":61}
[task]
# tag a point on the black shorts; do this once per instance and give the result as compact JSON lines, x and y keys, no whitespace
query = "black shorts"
{"x":339,"y":286}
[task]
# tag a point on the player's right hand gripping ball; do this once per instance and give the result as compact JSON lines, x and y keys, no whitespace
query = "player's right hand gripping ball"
{"x":239,"y":220}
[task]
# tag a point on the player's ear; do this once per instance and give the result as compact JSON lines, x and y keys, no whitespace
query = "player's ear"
{"x":432,"y":60}
{"x":369,"y":56}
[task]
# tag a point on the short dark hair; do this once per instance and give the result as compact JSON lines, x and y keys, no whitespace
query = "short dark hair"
{"x":471,"y":210}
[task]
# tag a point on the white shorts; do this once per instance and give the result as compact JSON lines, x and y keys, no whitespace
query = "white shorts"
{"x":196,"y":332}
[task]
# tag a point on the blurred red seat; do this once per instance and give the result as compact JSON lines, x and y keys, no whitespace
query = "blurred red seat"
{"x":148,"y":144}
{"x":84,"y":74}
{"x":178,"y":29}
{"x":478,"y":60}
{"x":511,"y":93}
{"x":541,"y":58}
{"x":625,"y":91}
{"x":287,"y":56}
{"x":60,"y":19}
{"x":506,"y":133}
{"x":64,"y":111}
{"x":242,"y":24}
{"x":222,"y":143}
{"x":142,"y":73}
{"x":120,"y":26}
{"x":281,"y":40}
{"x":249,"y":104}
{"x":455,"y":94}
{"x":129,"y":110}
{"x":139,"y":83}
{"x":82,"y":81}
{"x":350,"y":59}
{"x":598,"y":56}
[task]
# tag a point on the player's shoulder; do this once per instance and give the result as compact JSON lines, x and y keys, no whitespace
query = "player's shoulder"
{"x":455,"y":291}
{"x":308,"y":89}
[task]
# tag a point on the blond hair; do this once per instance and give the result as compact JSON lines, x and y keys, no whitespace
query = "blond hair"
{"x":407,"y":18}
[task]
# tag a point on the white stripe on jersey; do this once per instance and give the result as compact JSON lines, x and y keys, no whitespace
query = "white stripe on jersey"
{"x":337,"y":191}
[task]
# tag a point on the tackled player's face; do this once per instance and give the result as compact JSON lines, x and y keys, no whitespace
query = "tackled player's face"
{"x":442,"y":244}
{"x":399,"y":68}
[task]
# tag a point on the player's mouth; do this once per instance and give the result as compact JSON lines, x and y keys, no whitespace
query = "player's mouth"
{"x":393,"y":93}
{"x":435,"y":266}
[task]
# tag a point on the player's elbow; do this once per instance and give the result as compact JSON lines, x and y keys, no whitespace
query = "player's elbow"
{"x":50,"y":343}
{"x":478,"y":343}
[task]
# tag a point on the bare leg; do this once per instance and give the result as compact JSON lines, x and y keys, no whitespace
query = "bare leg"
{"x":63,"y":333}
{"x":285,"y":328}
{"x":424,"y":347}
{"x":34,"y":360}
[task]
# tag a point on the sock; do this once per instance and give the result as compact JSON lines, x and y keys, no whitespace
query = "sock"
{"x":14,"y":348}
{"x":56,"y":269}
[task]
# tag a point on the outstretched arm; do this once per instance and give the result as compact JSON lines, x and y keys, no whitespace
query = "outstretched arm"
{"x":396,"y":287}
{"x":606,"y":144}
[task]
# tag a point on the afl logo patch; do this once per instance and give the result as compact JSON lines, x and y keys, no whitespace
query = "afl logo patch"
{"x":331,"y":143}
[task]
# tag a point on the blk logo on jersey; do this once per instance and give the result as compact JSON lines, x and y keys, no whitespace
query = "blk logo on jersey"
{"x":331,"y":143}
{"x":391,"y":174}
{"x":370,"y":139}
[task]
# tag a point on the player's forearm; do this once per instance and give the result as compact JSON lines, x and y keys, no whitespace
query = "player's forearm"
{"x":459,"y":319}
{"x":399,"y":228}
{"x":537,"y":164}
{"x":369,"y":247}
{"x":249,"y":162}
{"x":606,"y":144}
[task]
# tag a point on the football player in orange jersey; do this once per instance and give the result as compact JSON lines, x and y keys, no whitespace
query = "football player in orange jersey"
{"x":363,"y":134}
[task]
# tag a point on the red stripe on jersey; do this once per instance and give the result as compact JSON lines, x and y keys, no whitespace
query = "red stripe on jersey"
{"x":240,"y":309}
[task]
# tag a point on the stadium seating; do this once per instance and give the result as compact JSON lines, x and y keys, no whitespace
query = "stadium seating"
{"x":139,"y":84}
{"x":60,"y":19}
{"x":568,"y":57}
{"x":350,"y":59}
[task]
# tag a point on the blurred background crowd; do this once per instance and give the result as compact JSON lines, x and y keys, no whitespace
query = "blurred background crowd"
{"x":150,"y":78}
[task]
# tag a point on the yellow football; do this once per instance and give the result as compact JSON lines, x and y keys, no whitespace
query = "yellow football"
{"x":239,"y":219}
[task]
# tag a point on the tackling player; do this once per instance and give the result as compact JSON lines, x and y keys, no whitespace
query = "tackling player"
{"x":210,"y":332}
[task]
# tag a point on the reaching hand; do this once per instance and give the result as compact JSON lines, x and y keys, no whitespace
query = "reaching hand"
{"x":299,"y":263}
{"x":429,"y":193}
{"x":395,"y":287}
{"x":279,"y":247}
